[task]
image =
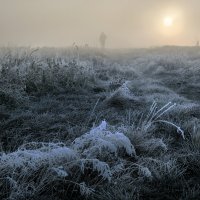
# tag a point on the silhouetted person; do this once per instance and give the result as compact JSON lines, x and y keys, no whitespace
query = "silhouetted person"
{"x":87,"y":46}
{"x":102,"y":40}
{"x":197,"y":44}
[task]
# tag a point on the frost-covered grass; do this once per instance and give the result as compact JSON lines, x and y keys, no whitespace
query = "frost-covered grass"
{"x":82,"y":124}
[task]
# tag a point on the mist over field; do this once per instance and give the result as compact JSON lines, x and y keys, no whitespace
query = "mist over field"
{"x":99,"y":100}
{"x":128,"y":24}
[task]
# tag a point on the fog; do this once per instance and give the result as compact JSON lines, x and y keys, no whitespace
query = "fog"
{"x":127,"y":23}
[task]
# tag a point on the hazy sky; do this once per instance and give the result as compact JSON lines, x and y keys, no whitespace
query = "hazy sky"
{"x":127,"y":23}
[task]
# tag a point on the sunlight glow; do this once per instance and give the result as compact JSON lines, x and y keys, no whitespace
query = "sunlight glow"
{"x":168,"y":21}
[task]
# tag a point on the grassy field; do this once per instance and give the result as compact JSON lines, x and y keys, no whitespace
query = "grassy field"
{"x":85,"y":124}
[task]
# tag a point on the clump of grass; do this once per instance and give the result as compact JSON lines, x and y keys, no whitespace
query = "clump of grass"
{"x":154,"y":117}
{"x":35,"y":166}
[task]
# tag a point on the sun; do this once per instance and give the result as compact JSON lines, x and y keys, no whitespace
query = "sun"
{"x":168,"y":21}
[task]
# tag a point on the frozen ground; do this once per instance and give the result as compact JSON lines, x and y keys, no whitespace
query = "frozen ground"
{"x":85,"y":124}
